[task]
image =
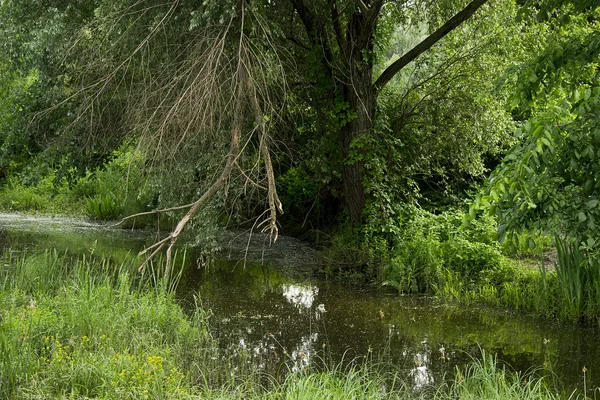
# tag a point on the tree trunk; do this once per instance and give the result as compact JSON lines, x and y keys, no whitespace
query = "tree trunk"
{"x":360,"y":94}
{"x":353,"y":74}
{"x":361,"y":98}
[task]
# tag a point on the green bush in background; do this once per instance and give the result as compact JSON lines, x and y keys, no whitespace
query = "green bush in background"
{"x":122,"y":187}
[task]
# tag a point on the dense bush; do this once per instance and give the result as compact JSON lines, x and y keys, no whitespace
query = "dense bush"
{"x":425,"y":247}
{"x":439,"y":255}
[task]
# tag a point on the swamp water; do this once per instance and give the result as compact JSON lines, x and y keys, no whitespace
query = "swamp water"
{"x":275,"y":315}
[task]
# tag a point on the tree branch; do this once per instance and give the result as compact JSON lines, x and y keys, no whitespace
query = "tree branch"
{"x":210,"y":192}
{"x":428,"y":42}
{"x":162,"y":210}
{"x":337,"y":27}
{"x":273,"y":199}
{"x":363,"y":7}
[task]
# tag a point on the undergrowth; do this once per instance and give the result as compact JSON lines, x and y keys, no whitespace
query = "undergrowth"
{"x":440,"y":255}
{"x":110,"y":192}
{"x":77,"y":328}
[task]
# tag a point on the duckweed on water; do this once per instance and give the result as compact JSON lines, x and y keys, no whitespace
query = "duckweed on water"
{"x":77,"y":328}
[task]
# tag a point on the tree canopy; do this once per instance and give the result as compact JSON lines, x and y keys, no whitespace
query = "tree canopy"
{"x":549,"y":181}
{"x":334,"y":110}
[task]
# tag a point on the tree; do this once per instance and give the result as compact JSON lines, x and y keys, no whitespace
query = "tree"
{"x":176,"y":77}
{"x":342,"y":37}
{"x":550,"y":180}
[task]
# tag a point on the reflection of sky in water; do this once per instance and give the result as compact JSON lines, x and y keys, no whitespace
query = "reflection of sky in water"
{"x":421,"y":377}
{"x":303,"y":297}
{"x":300,"y":296}
{"x":420,"y":374}
{"x":301,"y":355}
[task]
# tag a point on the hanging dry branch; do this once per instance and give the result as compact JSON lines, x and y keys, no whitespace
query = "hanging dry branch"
{"x":273,"y":200}
{"x":213,"y":90}
{"x":209,"y":95}
{"x":195,"y":207}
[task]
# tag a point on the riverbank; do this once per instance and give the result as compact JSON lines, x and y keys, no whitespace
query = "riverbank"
{"x":76,"y":327}
{"x":423,"y":253}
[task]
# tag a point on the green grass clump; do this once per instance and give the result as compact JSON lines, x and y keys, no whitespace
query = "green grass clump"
{"x":364,"y":381}
{"x":109,"y":192}
{"x":80,"y":336}
{"x":488,"y":379}
{"x":438,"y":255}
{"x":45,"y":196}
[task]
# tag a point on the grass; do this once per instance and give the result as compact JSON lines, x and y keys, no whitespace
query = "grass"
{"x":436,"y":255}
{"x":77,"y":328}
{"x":109,"y":192}
{"x":74,"y":328}
{"x":44,"y":197}
{"x":569,"y":292}
{"x":488,"y":379}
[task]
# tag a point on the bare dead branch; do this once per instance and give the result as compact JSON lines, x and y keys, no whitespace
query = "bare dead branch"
{"x":273,"y":200}
{"x":212,"y":190}
{"x":153,"y":212}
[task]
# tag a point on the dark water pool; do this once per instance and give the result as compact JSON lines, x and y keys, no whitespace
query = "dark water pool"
{"x":272,"y":311}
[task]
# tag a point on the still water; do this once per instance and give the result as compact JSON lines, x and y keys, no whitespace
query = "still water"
{"x":278,"y":316}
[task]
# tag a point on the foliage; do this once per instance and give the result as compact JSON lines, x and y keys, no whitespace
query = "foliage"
{"x":121,"y":188}
{"x":85,"y":79}
{"x":569,"y":291}
{"x":549,"y":181}
{"x":439,"y":255}
{"x":579,"y":277}
{"x":77,"y":327}
{"x":440,"y":120}
{"x":425,"y":245}
{"x":108,"y":193}
{"x":47,"y":195}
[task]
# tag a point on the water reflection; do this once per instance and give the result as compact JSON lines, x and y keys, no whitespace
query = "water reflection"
{"x":420,"y":374}
{"x":300,"y":296}
{"x":278,"y":321}
{"x":298,"y":322}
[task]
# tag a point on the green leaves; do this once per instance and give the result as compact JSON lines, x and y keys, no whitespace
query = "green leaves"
{"x":553,"y":175}
{"x":550,"y":180}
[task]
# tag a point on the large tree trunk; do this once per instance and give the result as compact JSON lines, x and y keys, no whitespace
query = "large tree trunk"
{"x":360,"y":96}
{"x":353,"y":72}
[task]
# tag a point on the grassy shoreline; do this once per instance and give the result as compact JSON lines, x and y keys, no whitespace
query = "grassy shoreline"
{"x":85,"y":328}
{"x":421,"y":252}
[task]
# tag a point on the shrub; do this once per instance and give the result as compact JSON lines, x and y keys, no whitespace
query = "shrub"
{"x":425,"y":245}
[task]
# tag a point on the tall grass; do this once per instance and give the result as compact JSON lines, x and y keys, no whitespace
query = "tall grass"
{"x":579,"y":276}
{"x":486,"y":378}
{"x":77,"y":328}
{"x":120,"y":187}
{"x":447,"y":264}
